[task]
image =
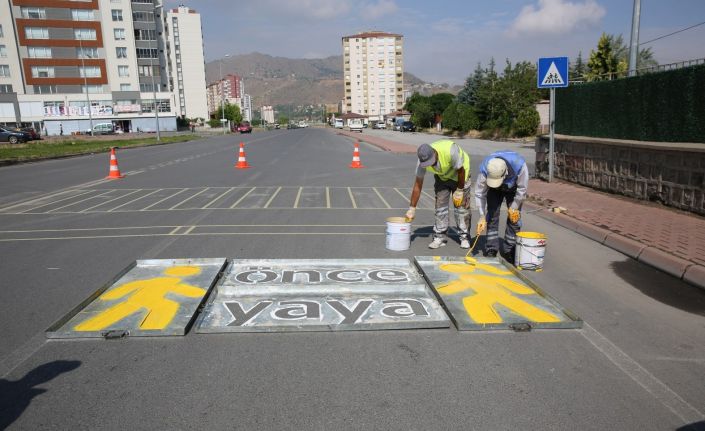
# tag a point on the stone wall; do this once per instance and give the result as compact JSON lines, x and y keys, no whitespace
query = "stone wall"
{"x":670,"y":173}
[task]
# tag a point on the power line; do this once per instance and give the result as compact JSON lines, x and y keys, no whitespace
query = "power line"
{"x":671,"y":34}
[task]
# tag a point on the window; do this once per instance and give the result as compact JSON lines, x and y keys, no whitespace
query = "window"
{"x":83,"y":52}
{"x":143,"y":16}
{"x":119,"y":33}
{"x":92,"y":88}
{"x":84,"y":33}
{"x":149,"y":70}
{"x":117,"y":14}
{"x":123,"y":71}
{"x":89,"y":72}
{"x":5,"y":88}
{"x":146,"y":53}
{"x":82,"y":14}
{"x":36,"y":32}
{"x":39,"y":52}
{"x":1,"y":33}
{"x":3,"y":51}
{"x":42,"y":72}
{"x":45,"y":89}
{"x":145,"y":34}
{"x":143,"y":1}
{"x":125,"y":87}
{"x":4,"y":70}
{"x":121,"y":52}
{"x":34,"y":12}
{"x":147,"y":88}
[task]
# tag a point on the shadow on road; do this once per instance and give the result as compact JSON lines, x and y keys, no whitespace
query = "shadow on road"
{"x":697,"y":426}
{"x":661,"y":287}
{"x":16,"y":396}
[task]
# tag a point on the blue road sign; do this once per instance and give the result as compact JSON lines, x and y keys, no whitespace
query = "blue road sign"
{"x":552,"y":72}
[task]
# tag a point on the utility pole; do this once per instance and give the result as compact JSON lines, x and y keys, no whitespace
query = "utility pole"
{"x":151,"y":65}
{"x":85,"y":81}
{"x":634,"y":43}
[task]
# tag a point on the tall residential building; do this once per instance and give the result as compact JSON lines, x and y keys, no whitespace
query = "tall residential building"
{"x":67,"y":63}
{"x":228,"y":89}
{"x":268,"y":114}
{"x":374,"y":73}
{"x":187,"y":73}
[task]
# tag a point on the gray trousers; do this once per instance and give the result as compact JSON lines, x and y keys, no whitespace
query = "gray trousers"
{"x":444,"y":191}
{"x":494,"y":203}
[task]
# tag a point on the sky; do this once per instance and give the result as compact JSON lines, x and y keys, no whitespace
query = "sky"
{"x":444,"y":40}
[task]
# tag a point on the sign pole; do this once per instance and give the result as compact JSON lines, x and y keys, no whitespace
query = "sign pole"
{"x":552,"y":126}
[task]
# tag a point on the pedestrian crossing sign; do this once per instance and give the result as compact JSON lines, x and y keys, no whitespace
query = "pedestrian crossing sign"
{"x":552,"y":72}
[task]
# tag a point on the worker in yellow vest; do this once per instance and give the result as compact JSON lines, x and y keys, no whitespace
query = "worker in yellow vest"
{"x":450,"y":166}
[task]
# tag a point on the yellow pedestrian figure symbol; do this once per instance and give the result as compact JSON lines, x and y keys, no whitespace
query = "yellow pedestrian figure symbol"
{"x":489,"y":289}
{"x":146,"y":296}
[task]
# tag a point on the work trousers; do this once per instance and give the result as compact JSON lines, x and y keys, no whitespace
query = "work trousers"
{"x":495,"y":196}
{"x":444,"y":191}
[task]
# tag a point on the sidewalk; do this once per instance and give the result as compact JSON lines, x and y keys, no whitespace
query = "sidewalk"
{"x":670,"y":240}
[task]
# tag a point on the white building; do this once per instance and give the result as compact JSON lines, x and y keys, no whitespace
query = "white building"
{"x":268,"y":114}
{"x":374,"y":73}
{"x":65,"y":65}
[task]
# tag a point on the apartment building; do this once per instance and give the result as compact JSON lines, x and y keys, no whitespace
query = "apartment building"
{"x":67,"y":64}
{"x":226,"y":90}
{"x":374,"y":73}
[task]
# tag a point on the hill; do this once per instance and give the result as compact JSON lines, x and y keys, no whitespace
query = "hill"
{"x":288,"y":81}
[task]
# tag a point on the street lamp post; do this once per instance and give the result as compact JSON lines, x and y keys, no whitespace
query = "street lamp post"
{"x":151,"y":66}
{"x":85,"y":81}
{"x":222,"y":94}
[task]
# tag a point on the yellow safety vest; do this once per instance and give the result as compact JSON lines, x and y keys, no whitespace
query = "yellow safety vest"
{"x":445,"y":170}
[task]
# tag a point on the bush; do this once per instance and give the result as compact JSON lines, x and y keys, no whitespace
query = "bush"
{"x":460,"y":117}
{"x":526,"y":122}
{"x":215,"y":122}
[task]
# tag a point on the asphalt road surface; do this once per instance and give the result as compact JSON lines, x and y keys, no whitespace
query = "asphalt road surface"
{"x":638,"y":362}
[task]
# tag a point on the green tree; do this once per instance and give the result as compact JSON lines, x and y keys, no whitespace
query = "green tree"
{"x":603,"y":63}
{"x":440,"y":101}
{"x":232,"y":113}
{"x":526,"y":122}
{"x":468,"y":95}
{"x":422,"y":114}
{"x":644,"y":59}
{"x":283,"y":119}
{"x":517,"y":90}
{"x":460,"y":117}
{"x":578,"y":69}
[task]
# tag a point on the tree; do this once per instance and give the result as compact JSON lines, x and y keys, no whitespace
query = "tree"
{"x":644,"y":59}
{"x":578,"y":70}
{"x":487,"y":98}
{"x":232,"y":113}
{"x":440,"y":101}
{"x":283,"y":119}
{"x":422,"y":114}
{"x":468,"y":95}
{"x":460,"y":117}
{"x":603,"y":63}
{"x":527,"y":122}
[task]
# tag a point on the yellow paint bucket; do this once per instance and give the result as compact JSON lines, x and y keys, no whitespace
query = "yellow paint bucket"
{"x":530,"y":251}
{"x":398,"y":234}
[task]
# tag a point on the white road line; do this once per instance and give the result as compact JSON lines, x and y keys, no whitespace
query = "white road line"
{"x":400,"y":193}
{"x":199,"y":234}
{"x":298,"y":196}
{"x":429,"y":196}
{"x":380,"y":196}
{"x":243,"y":197}
{"x":328,"y":197}
{"x":272,"y":198}
{"x":216,"y":199}
{"x":189,"y":230}
{"x":111,"y":228}
{"x":60,"y":200}
{"x":38,"y":198}
{"x":176,"y":229}
{"x":352,"y":198}
{"x":78,"y":202}
{"x":134,"y":200}
{"x":674,"y":402}
{"x":107,"y":202}
{"x":189,"y":198}
{"x":162,"y":200}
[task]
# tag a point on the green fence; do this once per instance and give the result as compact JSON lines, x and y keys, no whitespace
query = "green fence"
{"x":663,"y":107}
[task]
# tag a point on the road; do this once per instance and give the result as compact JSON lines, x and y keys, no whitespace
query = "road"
{"x":638,"y":362}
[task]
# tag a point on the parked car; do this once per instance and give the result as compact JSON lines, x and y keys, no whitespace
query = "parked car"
{"x":379,"y":125}
{"x":339,"y":123}
{"x":101,"y":129}
{"x":11,"y":136}
{"x":397,"y":124}
{"x":245,"y":127}
{"x":355,"y":125}
{"x":408,"y":126}
{"x":33,"y":134}
{"x":292,"y":126}
{"x":277,"y":126}
{"x":303,"y":124}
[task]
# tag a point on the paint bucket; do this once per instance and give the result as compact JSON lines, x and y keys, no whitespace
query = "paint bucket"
{"x":398,"y":234}
{"x":530,"y":250}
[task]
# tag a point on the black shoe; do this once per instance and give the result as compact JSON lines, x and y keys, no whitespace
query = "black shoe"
{"x":490,"y":253}
{"x":509,"y":257}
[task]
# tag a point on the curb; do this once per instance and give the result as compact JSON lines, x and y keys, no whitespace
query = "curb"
{"x":682,"y":269}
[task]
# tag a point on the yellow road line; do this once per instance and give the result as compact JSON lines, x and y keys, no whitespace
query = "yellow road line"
{"x":162,"y":200}
{"x":272,"y":198}
{"x":107,"y":202}
{"x":214,"y":200}
{"x":243,"y":197}
{"x":189,"y":198}
{"x":134,"y":200}
{"x":380,"y":196}
{"x":327,"y":197}
{"x":298,"y":196}
{"x":352,"y":198}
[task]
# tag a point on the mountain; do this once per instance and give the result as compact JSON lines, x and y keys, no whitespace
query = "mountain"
{"x":288,"y":81}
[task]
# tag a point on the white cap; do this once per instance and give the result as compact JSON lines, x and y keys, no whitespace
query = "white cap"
{"x":496,"y":172}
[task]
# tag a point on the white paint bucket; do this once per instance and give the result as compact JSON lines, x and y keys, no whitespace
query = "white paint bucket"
{"x":398,"y":234}
{"x":530,"y":250}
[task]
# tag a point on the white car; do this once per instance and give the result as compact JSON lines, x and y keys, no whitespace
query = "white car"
{"x":379,"y":125}
{"x":339,"y":123}
{"x":303,"y":124}
{"x":355,"y":125}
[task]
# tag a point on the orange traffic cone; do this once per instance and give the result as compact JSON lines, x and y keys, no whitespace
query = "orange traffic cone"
{"x":242,"y":160}
{"x":114,"y":173}
{"x":356,"y":158}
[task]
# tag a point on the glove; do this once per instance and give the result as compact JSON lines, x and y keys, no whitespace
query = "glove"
{"x":481,"y":226}
{"x":514,"y":215}
{"x":411,"y":213}
{"x":458,"y":198}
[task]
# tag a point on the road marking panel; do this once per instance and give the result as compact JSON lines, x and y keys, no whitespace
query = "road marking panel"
{"x":278,"y":295}
{"x":486,"y":294}
{"x":218,"y":198}
{"x":156,"y":297}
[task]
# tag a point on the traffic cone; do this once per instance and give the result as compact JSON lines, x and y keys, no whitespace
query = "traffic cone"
{"x":114,"y":173}
{"x":356,"y":158}
{"x":242,"y":160}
